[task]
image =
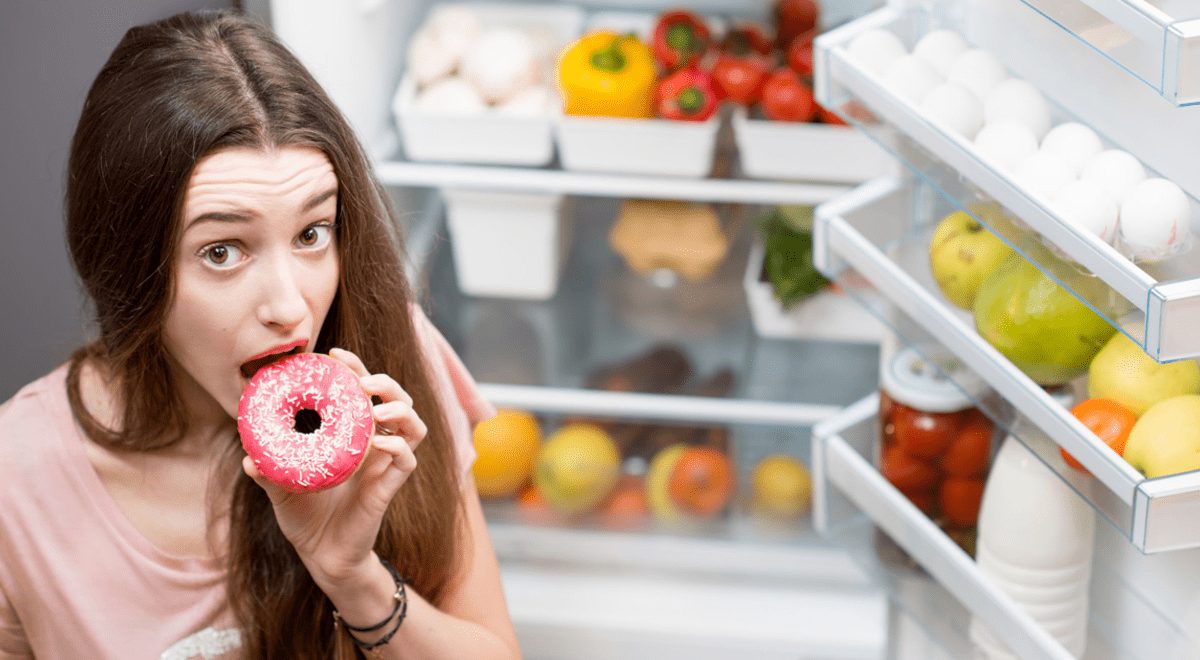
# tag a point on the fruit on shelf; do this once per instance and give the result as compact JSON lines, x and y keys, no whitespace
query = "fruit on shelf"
{"x":701,"y":481}
{"x":577,"y":468}
{"x":1037,"y":324}
{"x":781,"y":487}
{"x":785,"y":97}
{"x":658,"y":480}
{"x":963,"y":253}
{"x":626,"y":507}
{"x":1166,"y":440}
{"x":740,"y":70}
{"x":687,"y":95}
{"x":794,"y":18}
{"x":606,"y":74}
{"x":1122,"y":371}
{"x":680,"y":39}
{"x":505,"y":448}
{"x":1109,"y":420}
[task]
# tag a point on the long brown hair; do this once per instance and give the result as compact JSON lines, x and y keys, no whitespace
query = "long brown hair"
{"x":172,"y":92}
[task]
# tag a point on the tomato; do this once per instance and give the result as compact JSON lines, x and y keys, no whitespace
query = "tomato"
{"x":794,"y":17}
{"x":905,"y":472}
{"x":960,"y":498}
{"x":968,"y":453}
{"x":1109,"y":420}
{"x":744,"y":38}
{"x":740,"y":79}
{"x":786,"y":98}
{"x":922,"y":434}
{"x":828,"y":117}
{"x":800,"y":55}
{"x":922,"y":499}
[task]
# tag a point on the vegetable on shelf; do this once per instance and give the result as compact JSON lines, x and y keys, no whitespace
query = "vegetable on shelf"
{"x":793,"y":18}
{"x":739,"y":72}
{"x":608,"y":75}
{"x":747,"y":37}
{"x":787,"y":260}
{"x":687,"y":95}
{"x":786,"y":98}
{"x":680,"y":39}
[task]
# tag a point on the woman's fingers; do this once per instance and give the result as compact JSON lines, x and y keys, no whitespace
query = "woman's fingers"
{"x":393,"y":473}
{"x":350,"y":360}
{"x":276,"y":494}
{"x":397,"y":418}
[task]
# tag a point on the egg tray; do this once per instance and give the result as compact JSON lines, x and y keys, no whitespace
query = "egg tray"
{"x":1156,"y":304}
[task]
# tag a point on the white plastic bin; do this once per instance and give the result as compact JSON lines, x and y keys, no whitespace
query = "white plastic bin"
{"x":507,"y":245}
{"x":807,"y":151}
{"x":492,"y":136}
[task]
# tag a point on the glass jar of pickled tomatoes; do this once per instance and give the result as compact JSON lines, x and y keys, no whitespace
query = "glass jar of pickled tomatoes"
{"x":936,"y":445}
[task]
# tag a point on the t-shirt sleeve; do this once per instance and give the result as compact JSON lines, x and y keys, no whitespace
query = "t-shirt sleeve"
{"x":463,"y":403}
{"x":13,"y":644}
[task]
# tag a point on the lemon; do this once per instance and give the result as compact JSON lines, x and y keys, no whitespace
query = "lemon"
{"x":781,"y":486}
{"x":577,"y":468}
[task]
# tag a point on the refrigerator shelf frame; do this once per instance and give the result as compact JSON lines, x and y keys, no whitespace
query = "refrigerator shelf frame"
{"x":1167,"y":306}
{"x":1164,"y":512}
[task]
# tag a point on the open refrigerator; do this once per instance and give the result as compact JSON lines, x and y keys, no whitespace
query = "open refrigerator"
{"x":820,"y":586}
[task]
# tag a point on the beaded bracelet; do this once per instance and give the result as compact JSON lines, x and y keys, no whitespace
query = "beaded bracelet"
{"x":401,"y":608}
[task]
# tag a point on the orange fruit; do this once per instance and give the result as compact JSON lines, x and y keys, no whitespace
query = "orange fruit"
{"x":627,"y":506}
{"x":505,"y":447}
{"x":1109,"y":420}
{"x":702,"y":481}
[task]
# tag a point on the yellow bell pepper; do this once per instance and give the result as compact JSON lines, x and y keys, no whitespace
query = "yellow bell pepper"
{"x":608,"y":74}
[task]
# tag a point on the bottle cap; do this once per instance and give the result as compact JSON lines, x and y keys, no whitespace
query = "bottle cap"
{"x":931,"y":379}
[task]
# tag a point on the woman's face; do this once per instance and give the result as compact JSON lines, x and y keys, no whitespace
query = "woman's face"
{"x":256,"y":268}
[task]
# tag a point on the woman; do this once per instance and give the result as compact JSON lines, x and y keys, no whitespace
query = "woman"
{"x":219,"y":209}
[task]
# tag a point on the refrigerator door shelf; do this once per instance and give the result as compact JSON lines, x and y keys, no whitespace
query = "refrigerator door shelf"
{"x":853,"y":500}
{"x":1160,"y":302}
{"x":858,"y":236}
{"x":1157,"y":43}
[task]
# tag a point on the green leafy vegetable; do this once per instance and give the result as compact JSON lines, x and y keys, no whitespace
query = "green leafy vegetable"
{"x":788,"y":261}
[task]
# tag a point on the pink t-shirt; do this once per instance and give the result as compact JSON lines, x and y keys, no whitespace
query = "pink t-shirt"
{"x":78,"y":580}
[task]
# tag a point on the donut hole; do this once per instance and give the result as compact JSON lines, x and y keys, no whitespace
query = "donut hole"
{"x":307,"y":420}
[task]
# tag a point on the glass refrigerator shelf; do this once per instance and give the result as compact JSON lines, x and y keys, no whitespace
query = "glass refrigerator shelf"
{"x":858,"y":236}
{"x":1155,"y":304}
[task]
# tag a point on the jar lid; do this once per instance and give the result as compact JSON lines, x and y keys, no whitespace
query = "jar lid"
{"x":931,"y":379}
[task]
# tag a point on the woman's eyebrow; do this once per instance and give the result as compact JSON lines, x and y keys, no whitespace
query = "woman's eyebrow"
{"x":244,"y":215}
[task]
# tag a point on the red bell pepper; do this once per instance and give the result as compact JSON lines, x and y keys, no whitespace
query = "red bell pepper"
{"x":793,"y":18}
{"x":687,"y":95}
{"x":680,"y":39}
{"x":786,"y":98}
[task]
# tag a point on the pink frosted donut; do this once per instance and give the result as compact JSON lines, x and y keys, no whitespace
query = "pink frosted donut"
{"x":297,"y":461}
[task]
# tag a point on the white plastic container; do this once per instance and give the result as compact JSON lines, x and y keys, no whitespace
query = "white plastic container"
{"x":828,"y":315}
{"x":492,"y":136}
{"x":807,"y":151}
{"x":657,"y":147}
{"x":507,"y":245}
{"x":1036,"y":539}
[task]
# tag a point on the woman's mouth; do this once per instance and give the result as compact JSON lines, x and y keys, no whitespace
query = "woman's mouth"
{"x":250,"y":368}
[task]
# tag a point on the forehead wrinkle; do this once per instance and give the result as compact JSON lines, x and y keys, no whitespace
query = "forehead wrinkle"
{"x":247,"y":178}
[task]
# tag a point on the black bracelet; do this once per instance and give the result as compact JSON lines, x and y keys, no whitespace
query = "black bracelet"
{"x":401,"y":607}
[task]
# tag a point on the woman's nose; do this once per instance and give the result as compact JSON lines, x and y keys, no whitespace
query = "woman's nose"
{"x":281,"y":298}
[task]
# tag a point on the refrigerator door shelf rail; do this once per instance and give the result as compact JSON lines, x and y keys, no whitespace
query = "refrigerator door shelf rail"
{"x":1164,"y":297}
{"x":858,"y":236}
{"x":852,"y":498}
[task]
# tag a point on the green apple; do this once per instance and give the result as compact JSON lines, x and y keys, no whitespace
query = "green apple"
{"x":1124,"y":373}
{"x":963,"y":253}
{"x":1166,"y":440}
{"x":1040,"y":326}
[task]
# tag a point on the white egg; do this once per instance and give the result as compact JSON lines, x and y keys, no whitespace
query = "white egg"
{"x":456,"y":29}
{"x":1155,"y":218}
{"x":1076,"y":143}
{"x":1020,"y":101}
{"x":1043,"y":175}
{"x":1085,"y":204}
{"x":1116,"y":171}
{"x":977,"y":70}
{"x":940,"y":49}
{"x":874,"y":50}
{"x":428,"y":59}
{"x":955,"y":108}
{"x":911,"y":78}
{"x":1006,"y":143}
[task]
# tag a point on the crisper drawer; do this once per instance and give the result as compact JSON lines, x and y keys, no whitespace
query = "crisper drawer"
{"x":1154,"y":298}
{"x":864,"y":235}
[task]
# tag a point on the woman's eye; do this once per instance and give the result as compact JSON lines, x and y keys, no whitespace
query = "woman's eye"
{"x":315,"y":236}
{"x":221,"y":255}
